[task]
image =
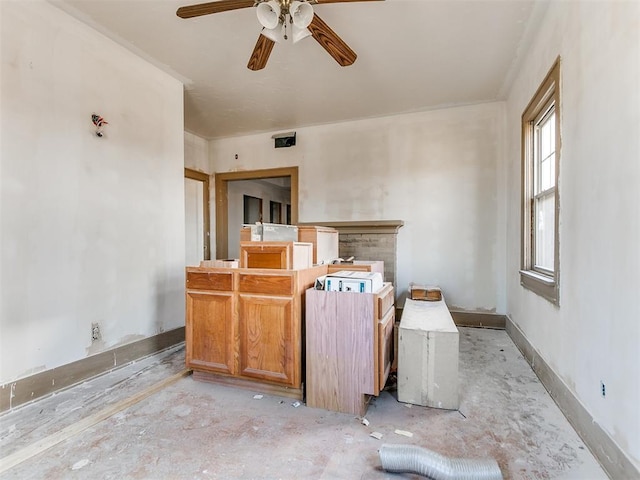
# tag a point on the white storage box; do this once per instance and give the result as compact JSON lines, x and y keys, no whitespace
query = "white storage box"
{"x":270,"y":232}
{"x":428,"y":355}
{"x":353,"y":281}
{"x":325,"y":242}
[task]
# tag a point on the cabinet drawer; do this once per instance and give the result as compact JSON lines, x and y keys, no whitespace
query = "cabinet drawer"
{"x":266,"y":284}
{"x":385,"y":347}
{"x":385,"y":300}
{"x":210,"y":281}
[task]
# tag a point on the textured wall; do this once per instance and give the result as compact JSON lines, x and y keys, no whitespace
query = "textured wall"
{"x":92,"y":229}
{"x":593,"y":336}
{"x":437,"y":171}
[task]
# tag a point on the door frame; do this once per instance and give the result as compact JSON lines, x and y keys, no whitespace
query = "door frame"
{"x":204,"y":178}
{"x":222,"y":199}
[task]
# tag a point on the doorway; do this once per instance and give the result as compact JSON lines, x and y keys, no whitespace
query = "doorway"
{"x":252,"y":209}
{"x":222,"y":199}
{"x":197,"y":218}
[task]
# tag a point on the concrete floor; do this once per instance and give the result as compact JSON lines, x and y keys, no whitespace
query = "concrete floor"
{"x":194,"y":430}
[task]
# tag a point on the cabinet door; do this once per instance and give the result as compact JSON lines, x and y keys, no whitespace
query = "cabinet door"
{"x":385,"y":347}
{"x":210,"y":332}
{"x":269,"y":339}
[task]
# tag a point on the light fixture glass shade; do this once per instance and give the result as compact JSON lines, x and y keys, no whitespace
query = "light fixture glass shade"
{"x":299,"y":33}
{"x":301,"y":13}
{"x":268,"y":14}
{"x":274,"y":34}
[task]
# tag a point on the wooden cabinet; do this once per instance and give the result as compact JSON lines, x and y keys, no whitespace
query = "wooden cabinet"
{"x":281,"y":255}
{"x":244,"y":326}
{"x":349,"y":342}
{"x":325,"y":242}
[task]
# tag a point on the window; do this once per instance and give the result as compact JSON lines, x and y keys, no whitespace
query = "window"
{"x":252,"y":209}
{"x":276,"y":208}
{"x":540,"y":207}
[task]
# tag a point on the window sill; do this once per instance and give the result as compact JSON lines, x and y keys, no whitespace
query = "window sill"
{"x":542,"y":285}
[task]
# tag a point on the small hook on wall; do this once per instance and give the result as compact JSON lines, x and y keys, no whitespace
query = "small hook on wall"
{"x":99,"y":122}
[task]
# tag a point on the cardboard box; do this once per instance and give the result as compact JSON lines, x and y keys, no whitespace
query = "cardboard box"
{"x":353,"y":281}
{"x":423,"y":292}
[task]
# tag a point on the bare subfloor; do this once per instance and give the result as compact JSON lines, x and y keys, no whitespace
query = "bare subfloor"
{"x":194,"y":430}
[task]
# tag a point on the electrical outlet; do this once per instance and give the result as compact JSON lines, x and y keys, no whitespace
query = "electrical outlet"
{"x":603,"y":389}
{"x":95,"y":332}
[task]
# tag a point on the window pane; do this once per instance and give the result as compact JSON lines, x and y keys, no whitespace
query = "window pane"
{"x":275,"y":208}
{"x":545,"y":139}
{"x":547,"y":173}
{"x":544,"y":175}
{"x":544,"y":232}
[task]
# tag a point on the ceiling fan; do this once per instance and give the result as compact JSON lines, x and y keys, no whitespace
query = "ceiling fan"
{"x":276,"y":16}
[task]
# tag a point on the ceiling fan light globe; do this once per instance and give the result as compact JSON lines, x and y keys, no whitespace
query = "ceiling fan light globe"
{"x":298,"y":34}
{"x":274,"y":34}
{"x":301,"y":13}
{"x":268,"y":14}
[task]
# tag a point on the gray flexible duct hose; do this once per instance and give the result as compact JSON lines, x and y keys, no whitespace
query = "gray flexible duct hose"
{"x":412,"y":459}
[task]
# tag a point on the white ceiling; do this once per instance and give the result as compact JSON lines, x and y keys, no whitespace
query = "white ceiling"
{"x":412,"y":55}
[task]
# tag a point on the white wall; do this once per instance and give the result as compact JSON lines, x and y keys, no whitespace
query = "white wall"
{"x":91,"y":229}
{"x":437,"y":171}
{"x":594,"y":335}
{"x":196,"y":153}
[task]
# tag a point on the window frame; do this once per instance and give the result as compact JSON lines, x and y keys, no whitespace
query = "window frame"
{"x":540,"y":280}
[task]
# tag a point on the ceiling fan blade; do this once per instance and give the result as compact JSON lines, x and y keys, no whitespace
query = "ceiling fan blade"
{"x":260,"y":53}
{"x":341,"y":1}
{"x":331,"y":42}
{"x":212,"y":7}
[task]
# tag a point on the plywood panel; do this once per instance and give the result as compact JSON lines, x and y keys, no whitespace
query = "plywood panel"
{"x":339,"y":346}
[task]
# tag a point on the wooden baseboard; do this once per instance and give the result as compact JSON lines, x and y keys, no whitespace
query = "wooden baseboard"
{"x":614,"y":461}
{"x":463,"y":318}
{"x":30,"y":388}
